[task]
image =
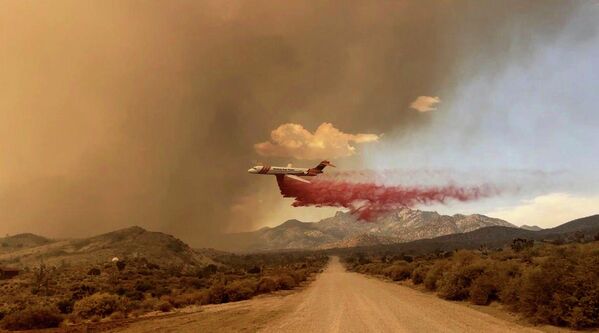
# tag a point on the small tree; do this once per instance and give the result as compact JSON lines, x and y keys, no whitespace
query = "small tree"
{"x":42,"y":275}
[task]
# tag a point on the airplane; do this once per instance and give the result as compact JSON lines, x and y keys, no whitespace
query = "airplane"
{"x":290,"y":172}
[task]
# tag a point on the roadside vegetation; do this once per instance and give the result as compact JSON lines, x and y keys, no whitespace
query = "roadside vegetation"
{"x":556,"y":284}
{"x":43,"y":296}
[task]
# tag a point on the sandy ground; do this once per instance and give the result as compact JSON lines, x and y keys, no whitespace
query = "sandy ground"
{"x":337,"y":301}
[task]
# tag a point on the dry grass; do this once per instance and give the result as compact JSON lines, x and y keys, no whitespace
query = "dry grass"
{"x":35,"y":317}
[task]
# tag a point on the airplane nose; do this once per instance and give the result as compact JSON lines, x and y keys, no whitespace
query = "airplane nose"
{"x":252,"y":170}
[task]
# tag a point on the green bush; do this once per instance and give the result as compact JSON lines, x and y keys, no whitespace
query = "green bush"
{"x":36,"y":317}
{"x":65,"y":306}
{"x":266,"y":285}
{"x":299,"y":275}
{"x":240,"y":290}
{"x":483,"y":290}
{"x":419,"y":274}
{"x":286,"y":282}
{"x":455,"y":283}
{"x":510,"y":293}
{"x":217,"y":294}
{"x":433,"y":275}
{"x":374,"y":268}
{"x":118,"y":315}
{"x":164,"y":306}
{"x":101,"y":304}
{"x":399,"y":271}
{"x":562,"y":291}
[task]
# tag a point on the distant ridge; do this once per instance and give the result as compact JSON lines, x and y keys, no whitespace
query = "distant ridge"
{"x":128,"y":243}
{"x":21,"y":241}
{"x":498,"y":236}
{"x":345,"y":230}
{"x":531,"y":227}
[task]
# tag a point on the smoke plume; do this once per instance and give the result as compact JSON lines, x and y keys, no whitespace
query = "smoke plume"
{"x":369,"y":200}
{"x":120,"y":113}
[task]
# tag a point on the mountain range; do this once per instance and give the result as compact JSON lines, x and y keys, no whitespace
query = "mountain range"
{"x":339,"y":233}
{"x":345,"y":230}
{"x":583,"y":229}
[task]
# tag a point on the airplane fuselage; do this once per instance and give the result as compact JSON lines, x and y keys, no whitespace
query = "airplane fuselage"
{"x":274,"y":170}
{"x":289,"y":172}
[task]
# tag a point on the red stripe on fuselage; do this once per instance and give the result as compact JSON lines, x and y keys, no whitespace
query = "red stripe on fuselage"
{"x":265,"y":169}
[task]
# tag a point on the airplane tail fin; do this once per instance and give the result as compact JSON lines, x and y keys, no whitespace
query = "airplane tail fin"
{"x":323,"y":164}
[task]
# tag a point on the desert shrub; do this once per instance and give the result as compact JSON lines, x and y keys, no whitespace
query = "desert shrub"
{"x":562,"y":291}
{"x":6,"y":309}
{"x":137,"y":312}
{"x":399,"y":271}
{"x":350,"y":261}
{"x":464,"y":257}
{"x":419,"y":273}
{"x":434,"y":274}
{"x":36,"y":317}
{"x":207,"y":271}
{"x":217,"y":294}
{"x":285,"y":281}
{"x":254,"y":270}
{"x":483,"y":290}
{"x":373,"y":268}
{"x":190,"y":298}
{"x":101,"y":304}
{"x":164,"y":306}
{"x":160,"y":291}
{"x":266,"y":285}
{"x":65,"y":306}
{"x":117,"y":315}
{"x":175,"y":301}
{"x":134,"y":295}
{"x":455,"y":283}
{"x":489,"y":286}
{"x":240,"y":290}
{"x":362,"y":260}
{"x":82,"y":290}
{"x":199,"y":297}
{"x":196,"y":283}
{"x":152,"y":266}
{"x":510,"y":293}
{"x":299,"y":275}
{"x":147,"y":304}
{"x":120,"y":265}
{"x":143,"y":285}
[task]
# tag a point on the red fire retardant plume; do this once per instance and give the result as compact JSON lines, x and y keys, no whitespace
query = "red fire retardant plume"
{"x":369,"y":200}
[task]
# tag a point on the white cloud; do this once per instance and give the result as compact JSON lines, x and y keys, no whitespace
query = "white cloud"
{"x":549,"y":210}
{"x":425,"y":103}
{"x":293,"y":140}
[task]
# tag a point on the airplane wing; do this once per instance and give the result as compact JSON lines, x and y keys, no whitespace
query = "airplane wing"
{"x":297,"y":178}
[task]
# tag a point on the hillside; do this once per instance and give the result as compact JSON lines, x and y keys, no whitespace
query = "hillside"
{"x":134,"y":242}
{"x":21,"y":241}
{"x":345,"y":230}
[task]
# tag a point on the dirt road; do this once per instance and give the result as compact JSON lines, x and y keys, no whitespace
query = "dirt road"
{"x":337,"y":301}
